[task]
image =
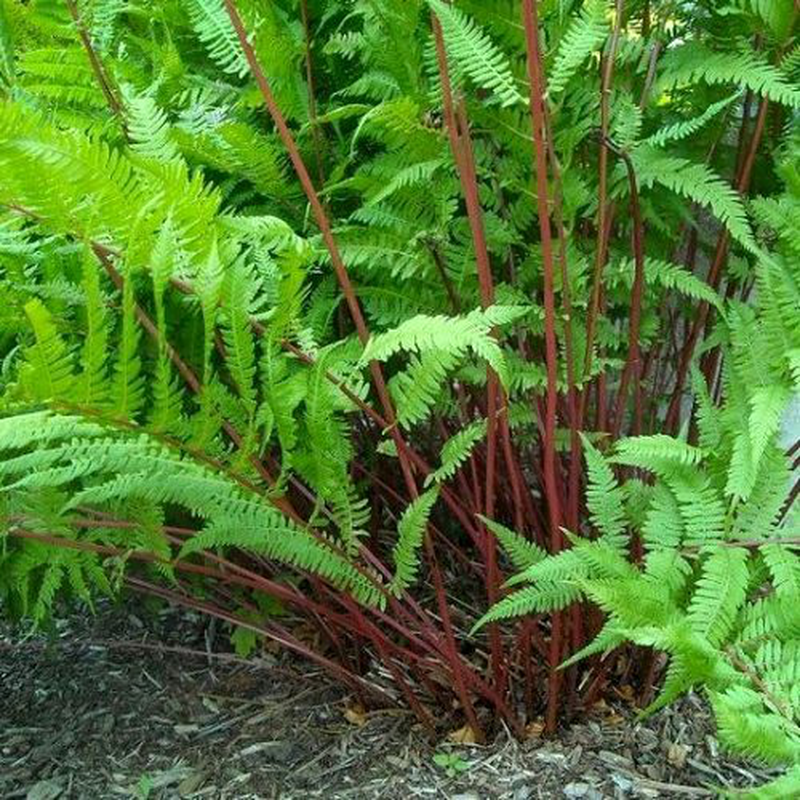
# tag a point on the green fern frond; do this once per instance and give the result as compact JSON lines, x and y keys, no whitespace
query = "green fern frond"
{"x":682,"y":130}
{"x":149,"y":129}
{"x":417,"y":389}
{"x":745,"y":726}
{"x":784,"y":567}
{"x":128,"y":381}
{"x":522,"y":552}
{"x":531,"y":600}
{"x":240,"y":297}
{"x":698,"y":183}
{"x":476,"y":54}
{"x":411,"y":531}
{"x":453,"y":335}
{"x":694,"y":62}
{"x":767,"y":407}
{"x":673,"y":277}
{"x":51,"y":375}
{"x":93,"y":389}
{"x":603,"y":496}
{"x":720,"y":593}
{"x":585,"y":35}
{"x":267,"y":533}
{"x":214,"y":29}
{"x":656,"y":452}
{"x":456,"y":450}
{"x":663,"y":528}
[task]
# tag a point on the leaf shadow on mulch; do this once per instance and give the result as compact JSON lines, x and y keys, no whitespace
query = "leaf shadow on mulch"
{"x":127,"y":704}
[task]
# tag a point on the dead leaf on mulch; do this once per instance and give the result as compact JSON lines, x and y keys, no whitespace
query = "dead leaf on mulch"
{"x":534,"y":730}
{"x":465,"y":735}
{"x":356,"y":715}
{"x":677,"y":755}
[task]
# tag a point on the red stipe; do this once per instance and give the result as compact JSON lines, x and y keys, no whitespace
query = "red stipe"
{"x":552,"y":483}
{"x":605,"y":213}
{"x":323,"y":223}
{"x":316,"y":131}
{"x":273,"y":631}
{"x":632,"y":370}
{"x":100,"y":73}
{"x":460,"y":138}
{"x":742,"y":184}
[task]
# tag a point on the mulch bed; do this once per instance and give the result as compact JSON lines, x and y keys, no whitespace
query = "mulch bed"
{"x":129,"y":704}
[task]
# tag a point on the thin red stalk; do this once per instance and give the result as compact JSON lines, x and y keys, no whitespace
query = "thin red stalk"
{"x":316,"y":132}
{"x":552,"y":488}
{"x":633,"y":367}
{"x":321,"y":217}
{"x":461,"y":146}
{"x":257,"y":582}
{"x":742,"y":184}
{"x":382,"y":645}
{"x":604,"y":214}
{"x":97,"y":65}
{"x":450,"y":641}
{"x":274,"y":632}
{"x":361,"y":328}
{"x":244,"y":575}
{"x":574,"y":484}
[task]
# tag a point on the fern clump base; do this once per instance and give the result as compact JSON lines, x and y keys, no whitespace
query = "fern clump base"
{"x":462,"y":333}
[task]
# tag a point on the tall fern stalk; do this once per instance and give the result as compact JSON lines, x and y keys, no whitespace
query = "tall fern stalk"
{"x":518,"y":355}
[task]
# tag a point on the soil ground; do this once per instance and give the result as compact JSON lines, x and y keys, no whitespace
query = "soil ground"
{"x":130,"y":704}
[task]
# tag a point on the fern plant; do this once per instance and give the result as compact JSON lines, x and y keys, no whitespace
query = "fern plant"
{"x":311,"y":311}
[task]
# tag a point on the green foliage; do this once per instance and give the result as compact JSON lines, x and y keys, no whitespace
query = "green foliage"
{"x":475,"y":53}
{"x":411,"y":530}
{"x":584,"y":36}
{"x":709,"y":570}
{"x":190,"y":399}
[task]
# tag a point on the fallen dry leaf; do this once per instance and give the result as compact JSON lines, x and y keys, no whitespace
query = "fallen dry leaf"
{"x":534,"y":730}
{"x":465,"y":735}
{"x":626,"y":692}
{"x":677,"y":755}
{"x":356,"y":715}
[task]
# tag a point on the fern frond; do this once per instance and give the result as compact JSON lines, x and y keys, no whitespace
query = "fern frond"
{"x":603,"y":496}
{"x":694,"y":62}
{"x":453,"y":335}
{"x":698,"y":183}
{"x":583,"y":37}
{"x":531,"y":600}
{"x":128,"y":381}
{"x":719,"y":593}
{"x":745,"y":726}
{"x":149,"y":129}
{"x":51,"y":374}
{"x":681,"y":130}
{"x":240,"y":292}
{"x":94,"y":387}
{"x":418,"y":388}
{"x":411,"y":531}
{"x":476,"y":54}
{"x":655,"y":452}
{"x":456,"y":450}
{"x":522,"y":552}
{"x":214,"y":29}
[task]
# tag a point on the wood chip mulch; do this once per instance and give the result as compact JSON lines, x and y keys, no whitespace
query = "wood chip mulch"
{"x":125,"y":704}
